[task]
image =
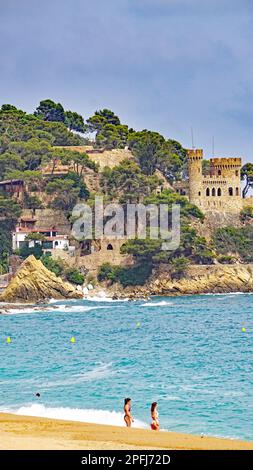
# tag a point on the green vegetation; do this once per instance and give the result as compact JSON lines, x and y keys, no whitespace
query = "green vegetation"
{"x":226,"y":259}
{"x":57,"y":267}
{"x":179,"y":267}
{"x":75,"y":276}
{"x":34,"y":146}
{"x":127,"y":182}
{"x":246,"y":213}
{"x":9,"y":213}
{"x":235,"y":241}
{"x":127,"y":276}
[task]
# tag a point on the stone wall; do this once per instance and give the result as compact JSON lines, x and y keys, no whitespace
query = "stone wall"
{"x":219,"y":191}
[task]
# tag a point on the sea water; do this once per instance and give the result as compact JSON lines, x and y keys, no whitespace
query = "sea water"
{"x":190,"y":354}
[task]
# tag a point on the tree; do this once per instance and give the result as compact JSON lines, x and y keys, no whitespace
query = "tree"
{"x":10,"y":161}
{"x":127,"y":182}
{"x":112,"y":136}
{"x":104,"y":123}
{"x":48,"y":110}
{"x":8,"y":107}
{"x":9,"y":213}
{"x":36,"y":237}
{"x":30,"y":152}
{"x":74,"y":121}
{"x":64,"y":192}
{"x":247,"y":175}
{"x":145,"y":146}
{"x":9,"y":209}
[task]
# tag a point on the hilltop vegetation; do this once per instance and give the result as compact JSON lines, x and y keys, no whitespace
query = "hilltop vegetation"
{"x":30,"y":143}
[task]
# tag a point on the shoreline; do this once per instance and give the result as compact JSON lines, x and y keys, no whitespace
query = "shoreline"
{"x":33,"y":433}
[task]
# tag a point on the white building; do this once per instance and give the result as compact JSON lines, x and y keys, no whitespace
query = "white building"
{"x":51,"y":239}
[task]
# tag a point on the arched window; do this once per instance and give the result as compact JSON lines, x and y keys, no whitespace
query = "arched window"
{"x":213,"y":192}
{"x":207,"y":192}
{"x":109,"y":247}
{"x":56,"y":243}
{"x":237,"y":191}
{"x":230,"y":191}
{"x":236,"y":173}
{"x":219,"y":192}
{"x":199,"y":193}
{"x":219,"y":172}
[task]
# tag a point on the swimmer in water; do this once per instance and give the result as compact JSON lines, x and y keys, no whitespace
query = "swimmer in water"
{"x":154,"y":417}
{"x":127,"y":410}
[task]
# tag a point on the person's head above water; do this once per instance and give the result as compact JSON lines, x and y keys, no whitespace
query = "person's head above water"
{"x":127,"y":400}
{"x":37,"y":395}
{"x":153,"y":406}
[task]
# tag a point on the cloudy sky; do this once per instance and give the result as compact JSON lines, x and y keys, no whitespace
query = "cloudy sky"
{"x":165,"y":65}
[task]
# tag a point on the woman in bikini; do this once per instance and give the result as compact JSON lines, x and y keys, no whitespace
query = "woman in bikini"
{"x":154,"y":417}
{"x":127,"y":410}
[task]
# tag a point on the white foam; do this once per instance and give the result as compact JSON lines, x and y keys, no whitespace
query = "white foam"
{"x":76,"y":414}
{"x":162,"y":303}
{"x":59,"y":308}
{"x":100,"y":298}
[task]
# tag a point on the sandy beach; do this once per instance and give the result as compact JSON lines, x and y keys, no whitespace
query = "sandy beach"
{"x":29,"y":433}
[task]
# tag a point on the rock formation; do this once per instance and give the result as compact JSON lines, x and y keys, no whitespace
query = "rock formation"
{"x":199,"y":280}
{"x":33,"y":282}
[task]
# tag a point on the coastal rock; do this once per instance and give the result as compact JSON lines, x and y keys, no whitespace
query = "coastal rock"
{"x":33,"y":282}
{"x":200,"y":279}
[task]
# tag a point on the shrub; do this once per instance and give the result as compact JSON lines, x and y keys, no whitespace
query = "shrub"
{"x":179,"y":267}
{"x":229,"y":240}
{"x":127,"y":276}
{"x":56,"y":267}
{"x":226,"y":259}
{"x":74,"y":276}
{"x":246,"y":213}
{"x":108,"y":272}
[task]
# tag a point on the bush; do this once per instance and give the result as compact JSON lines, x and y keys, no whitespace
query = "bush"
{"x":226,"y":259}
{"x":246,"y":213}
{"x":127,"y":276}
{"x":179,"y":267}
{"x":56,"y":267}
{"x":135,"y":275}
{"x":25,"y":251}
{"x":74,"y":276}
{"x":239,"y":241}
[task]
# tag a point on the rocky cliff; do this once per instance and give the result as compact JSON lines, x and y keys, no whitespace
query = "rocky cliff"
{"x":33,"y":282}
{"x":199,"y":280}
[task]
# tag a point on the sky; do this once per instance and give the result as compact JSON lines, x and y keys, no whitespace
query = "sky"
{"x":163,"y":65}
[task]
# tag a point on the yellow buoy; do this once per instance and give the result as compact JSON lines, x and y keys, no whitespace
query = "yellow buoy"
{"x":73,"y":339}
{"x":243,"y":330}
{"x":8,"y":340}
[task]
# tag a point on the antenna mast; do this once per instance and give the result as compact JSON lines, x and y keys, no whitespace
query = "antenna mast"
{"x":192,"y":138}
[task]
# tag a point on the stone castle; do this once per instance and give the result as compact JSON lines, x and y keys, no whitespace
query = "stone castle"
{"x":221,"y":189}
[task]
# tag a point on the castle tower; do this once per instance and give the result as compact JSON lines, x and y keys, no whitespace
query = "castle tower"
{"x":195,"y":157}
{"x":229,"y":168}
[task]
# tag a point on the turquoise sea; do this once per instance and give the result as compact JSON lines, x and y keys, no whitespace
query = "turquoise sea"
{"x":188,"y":353}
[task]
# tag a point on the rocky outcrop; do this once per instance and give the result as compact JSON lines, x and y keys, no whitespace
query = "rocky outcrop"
{"x":199,"y":280}
{"x":33,"y":282}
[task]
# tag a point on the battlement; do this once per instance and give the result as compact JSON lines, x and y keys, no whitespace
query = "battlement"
{"x":195,"y":154}
{"x":226,"y":162}
{"x":220,"y":190}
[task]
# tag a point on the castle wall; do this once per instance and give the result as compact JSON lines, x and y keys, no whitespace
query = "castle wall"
{"x":219,"y":191}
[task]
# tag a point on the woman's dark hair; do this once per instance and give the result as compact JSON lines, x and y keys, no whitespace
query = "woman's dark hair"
{"x":154,"y":404}
{"x":127,"y":400}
